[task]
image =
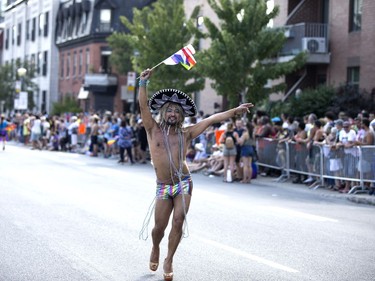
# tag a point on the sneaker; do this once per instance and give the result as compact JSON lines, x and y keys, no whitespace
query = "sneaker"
{"x":308,"y":180}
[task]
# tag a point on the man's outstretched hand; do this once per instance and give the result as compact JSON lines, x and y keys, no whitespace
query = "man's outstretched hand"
{"x":243,"y":108}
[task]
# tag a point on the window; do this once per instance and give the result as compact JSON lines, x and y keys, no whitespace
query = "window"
{"x":105,"y":20}
{"x":7,"y":39}
{"x":41,"y":24}
{"x":74,"y":64}
{"x":45,"y":63}
{"x":83,"y":22}
{"x":353,"y":77}
{"x":87,"y":61}
{"x":105,"y":67}
{"x":45,"y":28}
{"x":62,"y":66}
{"x":355,"y":16}
{"x":19,"y":32}
{"x":27,"y":31}
{"x":14,"y":33}
{"x":80,"y":62}
{"x":67,"y":65}
{"x":39,"y":65}
{"x":32,"y":61}
{"x":33,"y":27}
{"x":44,"y":101}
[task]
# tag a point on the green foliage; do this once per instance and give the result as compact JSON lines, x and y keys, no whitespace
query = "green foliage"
{"x":239,"y":60}
{"x":6,"y":86}
{"x":8,"y":77}
{"x":69,"y":104}
{"x":154,"y":34}
{"x":309,"y":101}
{"x":325,"y":98}
{"x":352,"y":100}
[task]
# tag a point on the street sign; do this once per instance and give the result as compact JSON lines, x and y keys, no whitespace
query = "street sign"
{"x":18,"y":86}
{"x":21,"y":102}
{"x":126,"y":94}
{"x":131,"y":78}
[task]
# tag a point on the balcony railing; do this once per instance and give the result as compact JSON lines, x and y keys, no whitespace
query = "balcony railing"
{"x":309,"y":37}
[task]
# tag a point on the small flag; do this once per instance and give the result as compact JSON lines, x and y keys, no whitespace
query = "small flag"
{"x":112,"y":141}
{"x":10,"y":127}
{"x":183,"y":56}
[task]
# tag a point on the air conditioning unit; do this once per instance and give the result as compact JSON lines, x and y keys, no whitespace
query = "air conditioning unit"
{"x":314,"y":44}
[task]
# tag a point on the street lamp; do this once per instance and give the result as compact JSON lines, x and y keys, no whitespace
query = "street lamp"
{"x":21,"y":73}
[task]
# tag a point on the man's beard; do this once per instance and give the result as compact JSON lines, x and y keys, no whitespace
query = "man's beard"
{"x":171,"y":122}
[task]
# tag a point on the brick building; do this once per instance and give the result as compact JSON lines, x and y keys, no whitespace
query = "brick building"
{"x":339,"y":37}
{"x":84,"y":68}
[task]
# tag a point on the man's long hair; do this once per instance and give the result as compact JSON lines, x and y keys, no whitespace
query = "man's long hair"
{"x":162,"y":114}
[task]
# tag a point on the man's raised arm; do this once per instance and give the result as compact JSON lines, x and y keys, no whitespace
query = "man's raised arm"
{"x":146,"y":116}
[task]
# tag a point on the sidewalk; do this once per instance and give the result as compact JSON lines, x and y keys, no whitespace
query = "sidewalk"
{"x":360,"y":198}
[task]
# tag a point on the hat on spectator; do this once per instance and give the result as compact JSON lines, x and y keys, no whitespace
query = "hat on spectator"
{"x":339,"y":122}
{"x":346,"y":124}
{"x":276,"y":119}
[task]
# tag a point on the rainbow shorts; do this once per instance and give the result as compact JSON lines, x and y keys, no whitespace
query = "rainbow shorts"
{"x":170,"y":191}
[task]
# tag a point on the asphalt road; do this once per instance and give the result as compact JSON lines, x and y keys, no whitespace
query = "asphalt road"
{"x":72,"y":217}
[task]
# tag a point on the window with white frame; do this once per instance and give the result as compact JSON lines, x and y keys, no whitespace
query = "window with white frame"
{"x":105,"y":20}
{"x":41,"y":24}
{"x":355,"y":15}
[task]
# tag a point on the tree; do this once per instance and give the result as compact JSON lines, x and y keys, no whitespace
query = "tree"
{"x":352,"y":100}
{"x":8,"y":77}
{"x":6,"y":86}
{"x":155,"y":33}
{"x":243,"y":49}
{"x":69,"y":104}
{"x":318,"y":101}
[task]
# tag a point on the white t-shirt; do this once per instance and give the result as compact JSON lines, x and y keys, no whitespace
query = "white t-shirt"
{"x":346,"y":137}
{"x":36,"y":127}
{"x":372,"y":125}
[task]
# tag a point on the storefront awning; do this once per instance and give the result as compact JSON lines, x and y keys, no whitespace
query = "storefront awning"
{"x":95,"y":79}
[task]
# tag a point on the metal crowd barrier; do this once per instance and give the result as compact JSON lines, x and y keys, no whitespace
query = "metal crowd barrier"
{"x":356,"y":164}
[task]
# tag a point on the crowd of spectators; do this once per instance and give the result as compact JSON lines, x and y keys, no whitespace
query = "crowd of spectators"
{"x":230,"y":147}
{"x":119,"y":136}
{"x":227,"y":149}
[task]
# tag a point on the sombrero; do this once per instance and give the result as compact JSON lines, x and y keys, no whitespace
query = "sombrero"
{"x":163,"y":96}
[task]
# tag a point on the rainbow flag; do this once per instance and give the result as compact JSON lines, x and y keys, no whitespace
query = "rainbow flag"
{"x":112,"y":141}
{"x":10,"y":127}
{"x":183,"y":56}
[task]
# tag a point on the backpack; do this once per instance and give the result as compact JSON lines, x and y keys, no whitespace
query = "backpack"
{"x":229,"y":142}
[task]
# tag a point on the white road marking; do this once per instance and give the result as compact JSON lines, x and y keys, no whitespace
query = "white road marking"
{"x":298,"y":214}
{"x":246,"y":255}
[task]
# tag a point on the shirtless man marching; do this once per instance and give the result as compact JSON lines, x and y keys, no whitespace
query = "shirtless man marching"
{"x":168,"y":142}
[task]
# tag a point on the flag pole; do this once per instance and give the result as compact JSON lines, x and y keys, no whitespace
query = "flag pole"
{"x":152,"y":68}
